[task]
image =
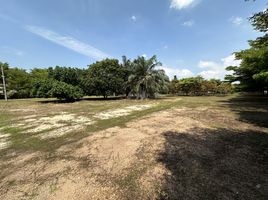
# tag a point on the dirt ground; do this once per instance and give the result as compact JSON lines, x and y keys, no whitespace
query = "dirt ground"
{"x":199,"y":151}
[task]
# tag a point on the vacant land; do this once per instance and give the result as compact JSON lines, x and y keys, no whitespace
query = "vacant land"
{"x":170,"y":148}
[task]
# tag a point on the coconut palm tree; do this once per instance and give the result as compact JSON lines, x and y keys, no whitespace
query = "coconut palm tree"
{"x":127,"y":65}
{"x":145,"y":79}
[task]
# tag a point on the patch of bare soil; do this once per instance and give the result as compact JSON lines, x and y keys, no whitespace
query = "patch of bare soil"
{"x":64,"y":123}
{"x":121,"y":112}
{"x":172,"y":154}
{"x":4,"y":140}
{"x":54,"y":126}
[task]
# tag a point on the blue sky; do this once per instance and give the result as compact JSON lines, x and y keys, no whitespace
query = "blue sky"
{"x":190,"y":37}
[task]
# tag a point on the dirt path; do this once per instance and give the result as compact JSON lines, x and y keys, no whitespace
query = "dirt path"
{"x":174,"y":154}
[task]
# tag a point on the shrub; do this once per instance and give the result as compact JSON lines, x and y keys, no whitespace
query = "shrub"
{"x":62,"y":90}
{"x":42,"y":87}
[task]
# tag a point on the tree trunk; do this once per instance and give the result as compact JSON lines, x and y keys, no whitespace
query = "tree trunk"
{"x":143,"y":94}
{"x":127,"y":92}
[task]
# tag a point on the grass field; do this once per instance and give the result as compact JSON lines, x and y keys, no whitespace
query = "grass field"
{"x":168,"y":148}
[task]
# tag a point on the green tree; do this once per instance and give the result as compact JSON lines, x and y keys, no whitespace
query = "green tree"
{"x":37,"y":74}
{"x":199,"y":86}
{"x":62,"y":90}
{"x":105,"y":78}
{"x":41,"y":88}
{"x":225,"y":88}
{"x":174,"y":86}
{"x":260,"y":20}
{"x":68,"y":75}
{"x":145,"y":80}
{"x":18,"y":82}
{"x":127,"y":66}
{"x":191,"y":86}
{"x":208,"y":87}
{"x":252,"y":74}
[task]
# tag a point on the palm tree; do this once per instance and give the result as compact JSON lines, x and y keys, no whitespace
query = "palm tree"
{"x":146,"y":80}
{"x":127,"y":65}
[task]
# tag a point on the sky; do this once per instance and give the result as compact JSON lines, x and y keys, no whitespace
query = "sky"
{"x":189,"y":37}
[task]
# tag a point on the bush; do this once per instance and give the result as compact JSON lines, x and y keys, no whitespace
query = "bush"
{"x":14,"y":94}
{"x":42,"y":87}
{"x":62,"y":90}
{"x":11,"y":94}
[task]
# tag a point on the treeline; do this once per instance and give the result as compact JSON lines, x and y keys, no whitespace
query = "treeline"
{"x":138,"y":78}
{"x":198,"y":86}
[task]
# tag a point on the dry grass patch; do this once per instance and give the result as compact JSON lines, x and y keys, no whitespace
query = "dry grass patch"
{"x":4,"y":141}
{"x":195,"y":149}
{"x":121,"y":112}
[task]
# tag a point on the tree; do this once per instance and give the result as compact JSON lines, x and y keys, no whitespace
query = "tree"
{"x":105,"y":78}
{"x":252,"y":74}
{"x":208,"y":87}
{"x":260,"y":20}
{"x":46,"y":88}
{"x":61,"y":90}
{"x":199,"y":86}
{"x":174,"y":86}
{"x":41,"y":88}
{"x":18,"y":82}
{"x":68,"y":75}
{"x":192,"y":85}
{"x":146,"y":80}
{"x":224,"y":88}
{"x":127,"y":66}
{"x":37,"y":74}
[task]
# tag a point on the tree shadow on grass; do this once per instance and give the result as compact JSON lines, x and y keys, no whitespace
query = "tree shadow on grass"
{"x":251,"y":109}
{"x":57,"y":101}
{"x":215,"y":164}
{"x":82,"y":99}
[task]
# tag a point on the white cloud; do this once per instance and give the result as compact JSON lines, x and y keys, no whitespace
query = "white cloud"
{"x":133,"y":18}
{"x":68,"y":42}
{"x":217,"y":69}
{"x":209,"y":65}
{"x":11,"y":50}
{"x":230,"y":61}
{"x":180,"y":73}
{"x":188,"y":23}
{"x":181,"y":4}
{"x":209,"y":74}
{"x":237,"y":20}
{"x":144,"y":55}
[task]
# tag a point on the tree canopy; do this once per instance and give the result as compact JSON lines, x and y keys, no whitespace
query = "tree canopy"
{"x":197,"y":86}
{"x":104,"y":78}
{"x":252,"y":74}
{"x":145,"y":79}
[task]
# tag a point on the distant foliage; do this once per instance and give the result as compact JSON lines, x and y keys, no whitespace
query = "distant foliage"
{"x":197,"y":86}
{"x":18,"y":82}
